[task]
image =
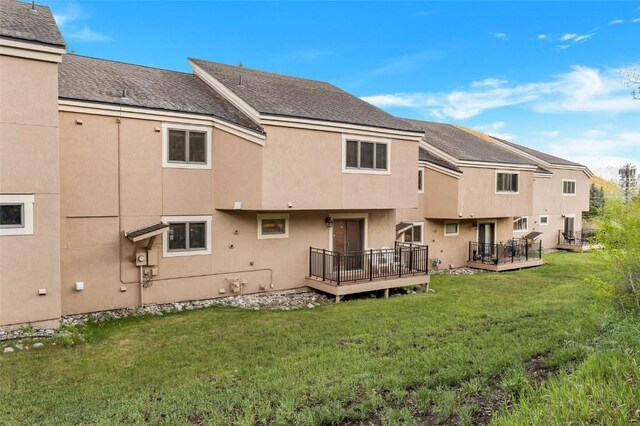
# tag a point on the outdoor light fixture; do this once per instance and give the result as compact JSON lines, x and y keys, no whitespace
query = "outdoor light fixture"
{"x":328,"y":221}
{"x":474,"y":224}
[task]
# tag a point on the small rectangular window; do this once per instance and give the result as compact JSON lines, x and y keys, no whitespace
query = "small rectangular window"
{"x":544,"y":220}
{"x":11,"y":215}
{"x":16,"y":214}
{"x":520,"y":223}
{"x":273,"y":226}
{"x":421,"y":181}
{"x":451,"y":228}
{"x":187,"y":147}
{"x":568,"y":187}
{"x":187,"y":236}
{"x":366,"y":155}
{"x":506,"y":182}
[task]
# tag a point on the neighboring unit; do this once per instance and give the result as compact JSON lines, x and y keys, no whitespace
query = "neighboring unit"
{"x":490,"y":203}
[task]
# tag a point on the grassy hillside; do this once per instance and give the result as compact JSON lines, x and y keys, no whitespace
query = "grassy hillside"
{"x":478,"y":345}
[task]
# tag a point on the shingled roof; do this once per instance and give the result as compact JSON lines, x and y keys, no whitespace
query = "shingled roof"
{"x":465,"y":145}
{"x":430,"y":157}
{"x":19,"y":21}
{"x":98,"y":80}
{"x":283,"y":95}
{"x":551,"y":159}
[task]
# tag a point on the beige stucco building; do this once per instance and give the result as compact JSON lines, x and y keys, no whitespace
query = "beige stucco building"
{"x":123,"y":185}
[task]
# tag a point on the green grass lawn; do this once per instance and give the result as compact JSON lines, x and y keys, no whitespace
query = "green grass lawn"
{"x":447,"y":357}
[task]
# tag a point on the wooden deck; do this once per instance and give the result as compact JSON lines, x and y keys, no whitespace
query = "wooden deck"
{"x":364,"y":286}
{"x":508,"y":266}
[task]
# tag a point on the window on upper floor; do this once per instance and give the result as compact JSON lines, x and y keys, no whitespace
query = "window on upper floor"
{"x":16,"y":214}
{"x":187,"y":236}
{"x":568,"y":187}
{"x":365,"y":156}
{"x":273,"y":226}
{"x":507,"y":182}
{"x":420,"y":181}
{"x":520,"y":223}
{"x":187,"y":147}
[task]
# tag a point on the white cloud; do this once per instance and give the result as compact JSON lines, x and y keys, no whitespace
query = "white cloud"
{"x":564,"y":46}
{"x":581,"y":89}
{"x":582,"y":38}
{"x":616,"y":22}
{"x":542,"y":36}
{"x":598,"y":149}
{"x":72,"y":23}
{"x":87,"y":34}
{"x":635,"y":21}
{"x":500,"y":36}
{"x":568,"y":36}
{"x":488,"y":82}
{"x":549,"y":133}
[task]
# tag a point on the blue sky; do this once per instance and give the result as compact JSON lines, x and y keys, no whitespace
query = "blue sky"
{"x":543,"y":74}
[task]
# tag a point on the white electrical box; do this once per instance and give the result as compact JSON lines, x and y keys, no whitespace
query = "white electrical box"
{"x":42,"y":292}
{"x":79,"y":285}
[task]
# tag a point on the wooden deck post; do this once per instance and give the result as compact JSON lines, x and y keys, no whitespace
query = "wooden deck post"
{"x":338,"y":298}
{"x":386,"y":293}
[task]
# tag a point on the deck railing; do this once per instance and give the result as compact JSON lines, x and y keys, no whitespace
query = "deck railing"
{"x":510,"y":252}
{"x":367,"y":265}
{"x":576,"y":238}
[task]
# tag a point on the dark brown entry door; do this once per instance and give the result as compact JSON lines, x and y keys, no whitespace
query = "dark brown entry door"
{"x":348,"y":237}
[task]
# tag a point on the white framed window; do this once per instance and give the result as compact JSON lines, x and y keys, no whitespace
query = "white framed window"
{"x":420,"y":181}
{"x":187,"y":236}
{"x":415,"y":234}
{"x":507,"y":182}
{"x":520,"y":224}
{"x":186,"y":147}
{"x":366,"y":155}
{"x":16,"y":214}
{"x":543,"y":220}
{"x":568,"y":187}
{"x":271,"y":226}
{"x":451,"y":228}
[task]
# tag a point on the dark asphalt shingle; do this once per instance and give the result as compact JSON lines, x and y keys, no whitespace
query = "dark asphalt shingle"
{"x":430,"y":157}
{"x":551,"y":159}
{"x":283,"y":95}
{"x":464,"y":145}
{"x":98,"y":80}
{"x":17,"y":21}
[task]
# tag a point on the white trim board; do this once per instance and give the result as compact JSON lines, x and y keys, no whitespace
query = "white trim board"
{"x":93,"y":108}
{"x":23,"y":49}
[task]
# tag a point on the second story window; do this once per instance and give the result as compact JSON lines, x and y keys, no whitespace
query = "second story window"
{"x":366,"y":155}
{"x":507,"y":182}
{"x":186,"y":147}
{"x":568,"y":187}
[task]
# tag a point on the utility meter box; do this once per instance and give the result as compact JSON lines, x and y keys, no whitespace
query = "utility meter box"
{"x":141,"y":258}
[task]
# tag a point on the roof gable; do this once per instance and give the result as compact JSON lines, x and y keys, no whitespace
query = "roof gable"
{"x":98,"y":80}
{"x":22,"y":22}
{"x":465,"y":145}
{"x":281,"y":95}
